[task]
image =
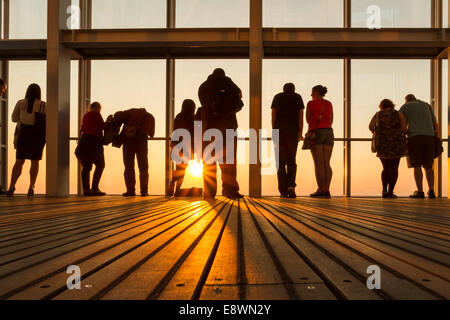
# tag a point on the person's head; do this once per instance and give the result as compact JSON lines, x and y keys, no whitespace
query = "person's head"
{"x":3,"y":86}
{"x":33,"y":93}
{"x":318,"y":92}
{"x":95,"y":106}
{"x":219,"y":73}
{"x":188,"y":107}
{"x":289,"y":88}
{"x":386,"y":104}
{"x":410,"y":97}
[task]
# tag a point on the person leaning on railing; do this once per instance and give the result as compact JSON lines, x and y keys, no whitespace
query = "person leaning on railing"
{"x":90,"y":149}
{"x":389,"y":144}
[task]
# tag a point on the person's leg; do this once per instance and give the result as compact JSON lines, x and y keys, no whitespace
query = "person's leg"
{"x":85,"y":176}
{"x":317,"y":154}
{"x":142,"y":159}
{"x":99,"y":167}
{"x":181,"y":169}
{"x":327,"y":152}
{"x":34,"y":170}
{"x":430,"y":178}
{"x":282,"y":174}
{"x":384,"y":175}
{"x":129,"y":173}
{"x":229,"y":171}
{"x":210,"y":180}
{"x":292,"y":165}
{"x":418,"y":177}
{"x":394,"y":164}
{"x":16,"y":172}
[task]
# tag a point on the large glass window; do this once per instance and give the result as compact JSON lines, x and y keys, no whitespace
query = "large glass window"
{"x":121,"y":14}
{"x":373,"y":81}
{"x":366,"y":173}
{"x":213,"y":13}
{"x":305,"y":74}
{"x":122,"y":85}
{"x":190,"y":74}
{"x":28,"y":19}
{"x":303,"y":13}
{"x":392,"y":14}
{"x":21,"y":75}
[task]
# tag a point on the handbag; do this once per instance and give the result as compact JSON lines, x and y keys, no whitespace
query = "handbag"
{"x":376,"y":136}
{"x":310,"y":136}
{"x":438,"y":146}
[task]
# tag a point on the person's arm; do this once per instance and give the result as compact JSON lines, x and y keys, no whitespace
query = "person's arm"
{"x":300,"y":124}
{"x":403,"y":123}
{"x":101,"y":122}
{"x":332,"y":115}
{"x":274,"y":107}
{"x":308,"y":114}
{"x":274,"y":114}
{"x":15,"y":117}
{"x":372,"y":125}
{"x":435,"y":123}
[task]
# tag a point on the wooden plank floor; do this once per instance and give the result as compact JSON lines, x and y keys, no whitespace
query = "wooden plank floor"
{"x":155,"y":248}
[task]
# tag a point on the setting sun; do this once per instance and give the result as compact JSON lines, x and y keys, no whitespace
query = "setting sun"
{"x":195,"y":168}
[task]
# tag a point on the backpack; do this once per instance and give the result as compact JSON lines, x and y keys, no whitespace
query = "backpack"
{"x":148,"y":126}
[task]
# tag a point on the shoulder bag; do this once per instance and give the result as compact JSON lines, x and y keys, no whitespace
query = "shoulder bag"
{"x":311,"y":134}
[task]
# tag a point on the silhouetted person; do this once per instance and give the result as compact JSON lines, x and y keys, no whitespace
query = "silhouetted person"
{"x":319,"y":115}
{"x":287,"y":117}
{"x":138,"y":125}
{"x":390,"y":144}
{"x":90,"y":149}
{"x":419,"y":122}
{"x":29,"y":113}
{"x":184,"y":120}
{"x":221,"y":100}
{"x":3,"y":88}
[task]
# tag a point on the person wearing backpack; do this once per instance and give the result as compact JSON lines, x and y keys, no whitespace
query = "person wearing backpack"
{"x":138,"y":125}
{"x":29,"y":114}
{"x":221,"y":99}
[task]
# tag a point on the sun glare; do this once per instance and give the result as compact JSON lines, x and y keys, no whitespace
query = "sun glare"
{"x":195,"y":168}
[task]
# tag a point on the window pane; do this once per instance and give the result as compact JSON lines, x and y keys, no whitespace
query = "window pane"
{"x":306,"y":181}
{"x":305,"y":74}
{"x":28,"y":19}
{"x":212,"y":13}
{"x":303,"y":13}
{"x":445,"y":9}
{"x":375,"y":80}
{"x":445,"y":127}
{"x":21,"y":75}
{"x":393,"y":14}
{"x":121,"y":85}
{"x":366,"y":173}
{"x":121,"y":14}
{"x":190,"y":74}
